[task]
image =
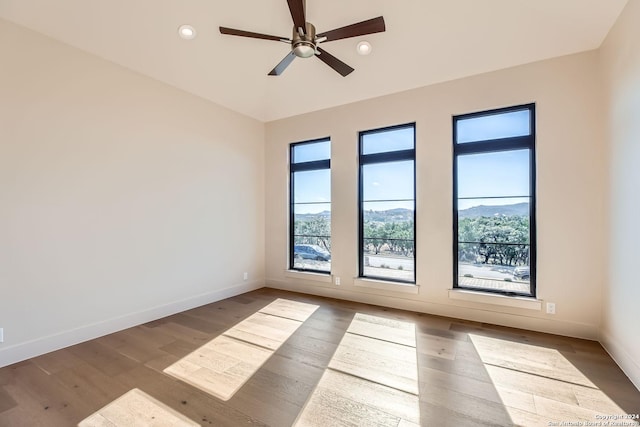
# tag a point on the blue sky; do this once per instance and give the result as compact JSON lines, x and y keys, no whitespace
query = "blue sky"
{"x":480,"y":176}
{"x":494,"y":126}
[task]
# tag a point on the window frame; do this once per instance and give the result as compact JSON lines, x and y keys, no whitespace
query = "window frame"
{"x":303,"y":167}
{"x":493,"y":146}
{"x":378,"y":158}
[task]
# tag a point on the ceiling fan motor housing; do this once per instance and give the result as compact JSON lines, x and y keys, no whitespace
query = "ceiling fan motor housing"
{"x":304,"y":45}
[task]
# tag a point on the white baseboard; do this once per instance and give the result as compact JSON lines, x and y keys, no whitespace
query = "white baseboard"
{"x":408,"y":302}
{"x":46,"y":344}
{"x":625,"y":361}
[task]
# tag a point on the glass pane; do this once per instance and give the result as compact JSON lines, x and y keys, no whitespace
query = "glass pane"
{"x":510,"y":230}
{"x":312,"y":237}
{"x":388,"y":220}
{"x":493,"y":248}
{"x":498,"y":174}
{"x":385,"y":264}
{"x":312,"y":186}
{"x":311,"y":253}
{"x":388,"y":244}
{"x":388,"y":140}
{"x":494,"y":126}
{"x":316,"y":215}
{"x":494,"y":266}
{"x":309,"y":152}
{"x":388,"y":181}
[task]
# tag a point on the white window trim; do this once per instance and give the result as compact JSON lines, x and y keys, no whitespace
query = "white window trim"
{"x":308,"y":275}
{"x":409,"y":288}
{"x":527,"y":303}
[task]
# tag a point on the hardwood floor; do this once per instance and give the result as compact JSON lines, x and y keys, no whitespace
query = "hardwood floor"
{"x":342,"y":363}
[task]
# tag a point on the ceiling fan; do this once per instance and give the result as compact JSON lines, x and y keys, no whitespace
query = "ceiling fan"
{"x":304,"y":41}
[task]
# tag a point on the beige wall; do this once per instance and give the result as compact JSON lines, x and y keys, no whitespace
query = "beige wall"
{"x":571,"y":237}
{"x":121,"y":199}
{"x":620,"y":58}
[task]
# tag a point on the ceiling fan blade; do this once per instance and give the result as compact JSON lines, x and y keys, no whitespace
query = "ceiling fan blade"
{"x":279,"y":69}
{"x":241,"y":33}
{"x":296,"y":7}
{"x":375,"y":25}
{"x":333,"y":62}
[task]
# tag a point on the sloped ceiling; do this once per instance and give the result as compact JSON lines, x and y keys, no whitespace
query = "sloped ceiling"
{"x":427,"y":41}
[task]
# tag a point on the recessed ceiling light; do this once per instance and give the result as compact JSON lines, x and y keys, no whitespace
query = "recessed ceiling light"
{"x":187,"y":32}
{"x":364,"y":48}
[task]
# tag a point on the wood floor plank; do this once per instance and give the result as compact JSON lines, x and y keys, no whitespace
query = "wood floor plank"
{"x":197,"y":323}
{"x":293,"y":369}
{"x":29,"y":411}
{"x":187,"y":400}
{"x":181,"y":332}
{"x":136,"y":408}
{"x":221,"y":367}
{"x":515,"y":399}
{"x":89,"y":384}
{"x":103,"y":357}
{"x":385,"y":329}
{"x":6,"y":401}
{"x":45,"y":396}
{"x":521,"y":418}
{"x":264,"y":330}
{"x":535,"y":385}
{"x":365,"y":394}
{"x":56,"y":361}
{"x":439,"y":346}
{"x":606,"y":402}
{"x":272,"y":398}
{"x":475,"y":407}
{"x":382,"y":362}
{"x":289,"y":309}
{"x":430,"y":377}
{"x":533,"y":359}
{"x":436,"y":415}
{"x":329,"y":408}
{"x":554,"y":409}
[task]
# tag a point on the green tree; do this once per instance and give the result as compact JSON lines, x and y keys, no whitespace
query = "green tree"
{"x":315,"y":230}
{"x":501,"y":240}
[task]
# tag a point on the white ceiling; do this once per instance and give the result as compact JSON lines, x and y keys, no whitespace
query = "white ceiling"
{"x":426,"y":41}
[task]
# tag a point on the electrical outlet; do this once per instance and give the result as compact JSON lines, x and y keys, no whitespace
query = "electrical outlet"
{"x":246,"y":275}
{"x":551,"y":308}
{"x":337,"y":281}
{"x":1,"y":334}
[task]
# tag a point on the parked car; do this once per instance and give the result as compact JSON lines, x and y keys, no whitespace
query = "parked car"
{"x":311,"y":252}
{"x":521,"y":273}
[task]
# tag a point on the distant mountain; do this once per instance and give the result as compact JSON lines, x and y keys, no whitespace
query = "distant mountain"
{"x":390,"y":215}
{"x":517,"y":209}
{"x":310,"y":216}
{"x":402,"y":214}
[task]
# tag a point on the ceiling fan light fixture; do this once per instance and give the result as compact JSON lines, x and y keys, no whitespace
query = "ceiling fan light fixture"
{"x":187,"y":32}
{"x":364,"y":48}
{"x":304,"y":49}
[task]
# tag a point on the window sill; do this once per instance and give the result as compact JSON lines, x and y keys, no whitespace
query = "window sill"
{"x":308,"y":275}
{"x":408,"y":288}
{"x":504,"y":300}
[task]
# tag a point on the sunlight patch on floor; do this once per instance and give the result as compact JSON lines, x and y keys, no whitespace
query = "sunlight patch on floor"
{"x":136,"y":408}
{"x":372,"y":378}
{"x":534,"y":380}
{"x":224,"y":364}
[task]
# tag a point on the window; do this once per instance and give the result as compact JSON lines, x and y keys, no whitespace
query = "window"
{"x":387,"y":204}
{"x":494,"y":201}
{"x":310,"y":206}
